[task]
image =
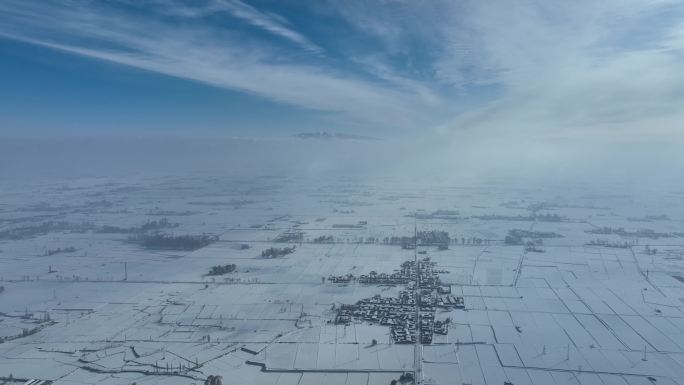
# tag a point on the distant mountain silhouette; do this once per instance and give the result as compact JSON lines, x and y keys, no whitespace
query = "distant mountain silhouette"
{"x":331,"y":135}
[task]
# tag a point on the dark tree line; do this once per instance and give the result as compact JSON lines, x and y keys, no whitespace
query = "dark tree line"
{"x":274,"y":252}
{"x":517,"y":236}
{"x":145,"y":227}
{"x":222,"y":269}
{"x":58,"y":250}
{"x":173,"y":242}
{"x":323,"y":239}
{"x":43,"y":228}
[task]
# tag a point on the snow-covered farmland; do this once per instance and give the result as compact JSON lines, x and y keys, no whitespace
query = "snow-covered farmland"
{"x":588,"y":288}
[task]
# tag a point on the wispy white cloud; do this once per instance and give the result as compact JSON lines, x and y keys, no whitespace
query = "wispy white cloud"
{"x":270,"y":22}
{"x":541,"y":67}
{"x":215,"y":57}
{"x":576,"y":68}
{"x":556,"y":66}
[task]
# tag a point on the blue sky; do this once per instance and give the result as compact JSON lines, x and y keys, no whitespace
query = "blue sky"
{"x":379,"y":68}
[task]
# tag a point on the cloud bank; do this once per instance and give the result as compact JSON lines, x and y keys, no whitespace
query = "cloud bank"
{"x":550,"y":69}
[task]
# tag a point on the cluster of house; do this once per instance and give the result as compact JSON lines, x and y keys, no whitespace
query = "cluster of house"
{"x":341,"y":278}
{"x":397,"y":278}
{"x":290,"y":236}
{"x":423,"y":294}
{"x":398,"y":313}
{"x":451,"y":301}
{"x":427,"y":326}
{"x":402,"y":277}
{"x":441,"y":327}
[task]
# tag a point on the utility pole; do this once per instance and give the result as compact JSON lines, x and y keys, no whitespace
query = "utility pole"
{"x":125,"y":271}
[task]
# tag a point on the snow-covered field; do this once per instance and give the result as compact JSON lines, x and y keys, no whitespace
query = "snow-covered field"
{"x":81,"y":303}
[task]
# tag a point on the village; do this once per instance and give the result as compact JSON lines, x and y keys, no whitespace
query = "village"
{"x":422,"y":295}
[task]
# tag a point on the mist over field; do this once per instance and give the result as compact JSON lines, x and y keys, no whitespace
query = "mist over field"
{"x":465,"y":156}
